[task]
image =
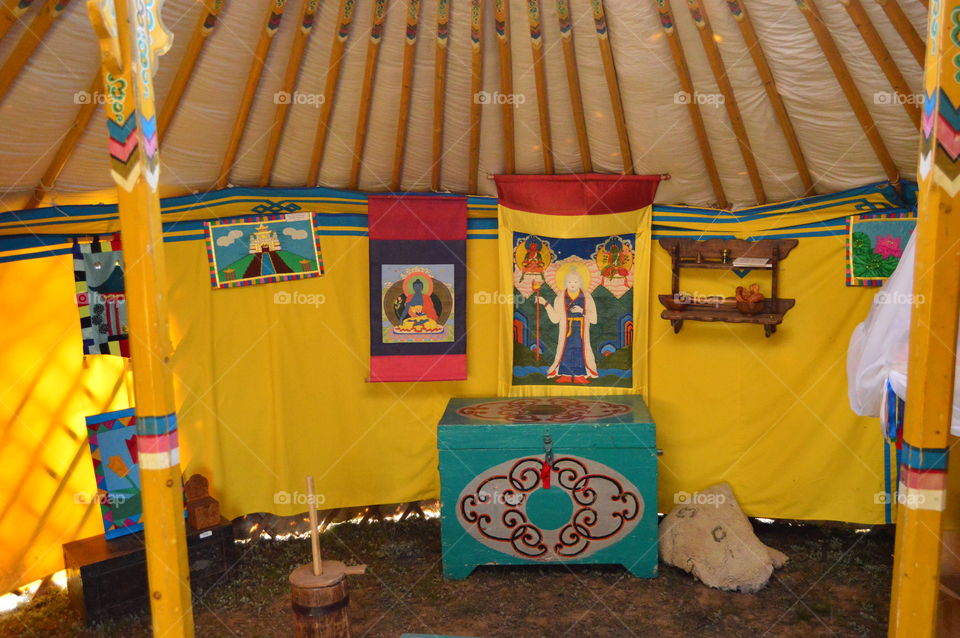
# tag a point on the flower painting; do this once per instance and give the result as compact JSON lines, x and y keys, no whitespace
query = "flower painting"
{"x":875,"y":243}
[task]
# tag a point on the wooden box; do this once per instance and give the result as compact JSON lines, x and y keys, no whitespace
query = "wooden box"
{"x":108,"y":578}
{"x":548,"y":480}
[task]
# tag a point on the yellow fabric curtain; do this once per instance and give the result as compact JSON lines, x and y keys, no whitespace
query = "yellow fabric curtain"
{"x":269,"y":392}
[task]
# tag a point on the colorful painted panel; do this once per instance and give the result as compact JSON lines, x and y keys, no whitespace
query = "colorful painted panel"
{"x":113,"y":447}
{"x":418,"y":304}
{"x":573,"y":310}
{"x":418,"y":257}
{"x":570,"y":508}
{"x":875,"y":242}
{"x":260,"y":250}
{"x":100,"y":294}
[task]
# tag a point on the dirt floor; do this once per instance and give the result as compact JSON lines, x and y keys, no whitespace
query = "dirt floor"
{"x":835,"y":584}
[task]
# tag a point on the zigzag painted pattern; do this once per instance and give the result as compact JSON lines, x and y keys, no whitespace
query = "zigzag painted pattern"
{"x":123,"y":148}
{"x":940,"y":114}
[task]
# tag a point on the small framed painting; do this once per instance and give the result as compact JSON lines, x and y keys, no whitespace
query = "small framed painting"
{"x":264,"y":249}
{"x":113,"y":447}
{"x":875,"y":242}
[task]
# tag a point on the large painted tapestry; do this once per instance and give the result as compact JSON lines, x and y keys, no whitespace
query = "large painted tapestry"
{"x":418,"y":288}
{"x":573,"y":310}
{"x":575,"y":270}
{"x":101,"y":295}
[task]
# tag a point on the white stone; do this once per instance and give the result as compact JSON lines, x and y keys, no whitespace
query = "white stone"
{"x":708,"y":535}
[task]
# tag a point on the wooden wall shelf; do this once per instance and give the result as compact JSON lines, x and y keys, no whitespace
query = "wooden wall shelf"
{"x":720,"y":254}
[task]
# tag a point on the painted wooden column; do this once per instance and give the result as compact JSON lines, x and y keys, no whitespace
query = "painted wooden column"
{"x":270,"y":27}
{"x":131,"y":37}
{"x":476,"y":87}
{"x":573,"y":83}
{"x":665,"y":13}
{"x":287,"y":93}
{"x":742,"y":18}
{"x":933,"y":337}
{"x":540,"y":80}
{"x":501,"y":15}
{"x":439,"y":91}
{"x":406,"y":89}
{"x":340,"y":36}
{"x":845,"y":79}
{"x":710,"y":47}
{"x":366,"y":91}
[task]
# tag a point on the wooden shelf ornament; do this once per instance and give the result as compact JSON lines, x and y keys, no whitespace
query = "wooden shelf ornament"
{"x":720,"y":254}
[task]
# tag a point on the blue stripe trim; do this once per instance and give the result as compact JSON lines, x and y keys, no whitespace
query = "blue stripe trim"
{"x":931,"y":458}
{"x":154,"y":425}
{"x":45,"y":253}
{"x":887,"y":505}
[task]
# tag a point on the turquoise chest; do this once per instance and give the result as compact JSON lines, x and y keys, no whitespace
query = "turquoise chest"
{"x":548,"y":480}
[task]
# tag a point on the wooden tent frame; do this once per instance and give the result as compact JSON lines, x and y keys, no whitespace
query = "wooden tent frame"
{"x":934,"y":323}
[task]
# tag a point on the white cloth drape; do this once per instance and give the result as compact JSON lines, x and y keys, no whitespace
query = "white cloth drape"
{"x":879,"y":346}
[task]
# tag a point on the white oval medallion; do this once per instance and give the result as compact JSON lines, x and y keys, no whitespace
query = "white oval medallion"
{"x":588,"y":506}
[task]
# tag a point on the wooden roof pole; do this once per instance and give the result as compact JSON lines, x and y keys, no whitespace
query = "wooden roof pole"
{"x":540,"y":79}
{"x":285,"y":97}
{"x":809,"y":10}
{"x":931,"y":366}
{"x":501,"y":14}
{"x":272,"y":24}
{"x":439,"y":90}
{"x":702,"y":21}
{"x":29,"y":42}
{"x":476,"y":86}
{"x":341,"y":34}
{"x":904,"y":27}
{"x":128,"y":51}
{"x":208,"y":19}
{"x":10,"y":13}
{"x":573,"y":83}
{"x":879,"y":50}
{"x":369,"y":73}
{"x":406,"y":89}
{"x":68,"y":142}
{"x":613,"y":84}
{"x":693,"y":108}
{"x":742,"y":18}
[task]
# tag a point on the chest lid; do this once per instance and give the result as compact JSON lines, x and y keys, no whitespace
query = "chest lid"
{"x":617,"y":421}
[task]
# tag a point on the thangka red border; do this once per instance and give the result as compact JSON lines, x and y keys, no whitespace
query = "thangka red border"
{"x":216,"y":283}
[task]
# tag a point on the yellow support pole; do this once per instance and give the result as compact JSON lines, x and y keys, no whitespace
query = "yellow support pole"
{"x":933,"y":337}
{"x":131,"y":37}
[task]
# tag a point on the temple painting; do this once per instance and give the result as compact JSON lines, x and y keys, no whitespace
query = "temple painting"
{"x":417,"y":303}
{"x":573,"y":310}
{"x":265,"y":249}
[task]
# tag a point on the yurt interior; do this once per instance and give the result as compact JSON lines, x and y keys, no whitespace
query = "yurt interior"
{"x":479,"y":318}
